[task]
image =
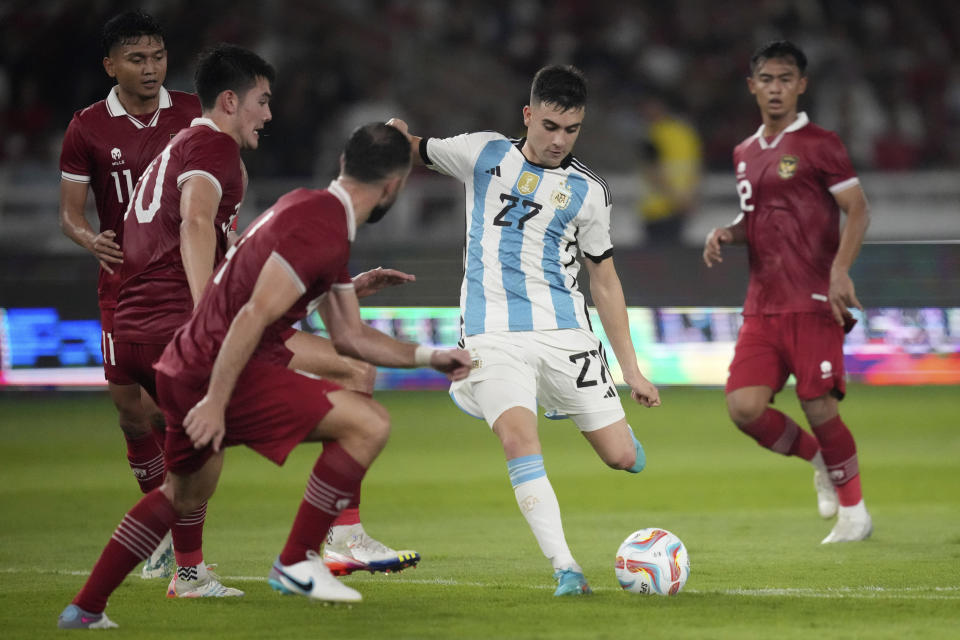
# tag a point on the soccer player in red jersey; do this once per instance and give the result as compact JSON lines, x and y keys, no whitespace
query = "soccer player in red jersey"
{"x":106,"y":148}
{"x":290,"y":260}
{"x":793,"y":179}
{"x":175,"y":230}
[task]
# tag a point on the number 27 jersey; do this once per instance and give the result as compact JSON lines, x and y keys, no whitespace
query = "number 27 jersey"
{"x":524,"y":227}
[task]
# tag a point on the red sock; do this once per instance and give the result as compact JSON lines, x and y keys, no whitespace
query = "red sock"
{"x":775,"y":431}
{"x":335,"y":478}
{"x":187,"y":536}
{"x":146,"y":461}
{"x":840,"y":455}
{"x":160,"y":435}
{"x":134,"y":539}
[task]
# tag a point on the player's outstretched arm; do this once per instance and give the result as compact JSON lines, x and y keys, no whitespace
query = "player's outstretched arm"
{"x":74,"y":225}
{"x":351,"y":337}
{"x":369,"y":282}
{"x":607,"y":294}
{"x":735,"y":233}
{"x":274,"y":293}
{"x":842,"y":294}
{"x":415,"y":159}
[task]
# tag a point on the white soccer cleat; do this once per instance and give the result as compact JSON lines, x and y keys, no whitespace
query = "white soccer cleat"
{"x":827,"y":501}
{"x":853,"y":524}
{"x":312,"y":579}
{"x":192,"y":582}
{"x":73,"y":617}
{"x":161,"y":563}
{"x":350,"y":549}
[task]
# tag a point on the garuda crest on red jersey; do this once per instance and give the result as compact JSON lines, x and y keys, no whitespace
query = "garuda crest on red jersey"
{"x":788,"y":167}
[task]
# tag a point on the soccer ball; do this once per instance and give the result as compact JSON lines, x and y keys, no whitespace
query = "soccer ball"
{"x":652,"y":561}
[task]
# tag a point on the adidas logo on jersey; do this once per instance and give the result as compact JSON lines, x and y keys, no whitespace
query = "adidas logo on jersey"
{"x":494,"y":172}
{"x":610,"y":393}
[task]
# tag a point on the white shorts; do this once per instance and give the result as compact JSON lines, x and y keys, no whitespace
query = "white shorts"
{"x":564,"y":369}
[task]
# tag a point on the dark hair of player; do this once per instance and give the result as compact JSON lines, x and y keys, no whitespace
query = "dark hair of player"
{"x":375,"y":151}
{"x":224,"y":67}
{"x":127,"y":27}
{"x":779,"y":49}
{"x":560,"y":85}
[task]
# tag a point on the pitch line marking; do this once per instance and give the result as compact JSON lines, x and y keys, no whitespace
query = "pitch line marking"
{"x":862,"y":592}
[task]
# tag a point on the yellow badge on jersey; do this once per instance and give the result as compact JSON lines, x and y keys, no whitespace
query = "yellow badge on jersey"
{"x":561,"y":197}
{"x":527,"y":183}
{"x":788,"y":167}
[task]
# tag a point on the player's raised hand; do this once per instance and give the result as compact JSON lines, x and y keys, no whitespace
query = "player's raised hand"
{"x":106,"y":250}
{"x":455,"y":363}
{"x":205,"y":424}
{"x":842,"y":296}
{"x":712,"y":246}
{"x":369,"y":282}
{"x":399,"y":124}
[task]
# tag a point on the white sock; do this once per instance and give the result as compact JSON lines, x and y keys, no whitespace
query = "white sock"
{"x":538,"y":504}
{"x":819,"y":464}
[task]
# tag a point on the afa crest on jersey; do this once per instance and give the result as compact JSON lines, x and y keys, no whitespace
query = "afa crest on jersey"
{"x":527,"y":182}
{"x":561,"y":197}
{"x":788,"y":167}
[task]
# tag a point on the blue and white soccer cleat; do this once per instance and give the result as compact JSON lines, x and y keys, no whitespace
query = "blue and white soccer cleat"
{"x":73,"y":617}
{"x":349,"y":548}
{"x":312,"y":579}
{"x":571,"y":583}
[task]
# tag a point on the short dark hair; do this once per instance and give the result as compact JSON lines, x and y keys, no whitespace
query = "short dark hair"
{"x":126,"y":27}
{"x":225,"y":67}
{"x":374,"y":151}
{"x":560,"y":85}
{"x":782,"y":49}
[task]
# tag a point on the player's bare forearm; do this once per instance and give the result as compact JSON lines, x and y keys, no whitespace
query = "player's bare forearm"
{"x":74,"y":225}
{"x":198,"y":246}
{"x":854,"y":203}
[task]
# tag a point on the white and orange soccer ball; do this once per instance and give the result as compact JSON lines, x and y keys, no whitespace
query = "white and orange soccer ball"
{"x":652,"y":561}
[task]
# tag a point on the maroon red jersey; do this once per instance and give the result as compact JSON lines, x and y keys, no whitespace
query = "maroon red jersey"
{"x":786,"y":186}
{"x":309,"y":233}
{"x":109,"y":149}
{"x":154,"y":299}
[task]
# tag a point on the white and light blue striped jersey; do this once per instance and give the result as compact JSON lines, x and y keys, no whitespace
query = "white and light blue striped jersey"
{"x":524,"y":226}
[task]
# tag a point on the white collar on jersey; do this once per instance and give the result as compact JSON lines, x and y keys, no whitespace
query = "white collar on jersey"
{"x":344,"y":198}
{"x":116,"y":110}
{"x":801,"y":121}
{"x":207,"y":122}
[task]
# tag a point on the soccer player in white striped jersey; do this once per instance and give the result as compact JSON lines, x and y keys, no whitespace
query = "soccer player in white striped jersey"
{"x":531,"y":208}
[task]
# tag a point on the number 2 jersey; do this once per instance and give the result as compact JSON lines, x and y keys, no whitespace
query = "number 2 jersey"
{"x":786,"y":186}
{"x":108,"y":149}
{"x":154,"y":299}
{"x":525,"y":225}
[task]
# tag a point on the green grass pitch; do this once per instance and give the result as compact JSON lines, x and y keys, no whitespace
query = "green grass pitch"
{"x":747,"y":516}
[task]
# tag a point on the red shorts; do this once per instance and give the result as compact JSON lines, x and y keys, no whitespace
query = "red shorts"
{"x":272,"y":410}
{"x":111,"y":372}
{"x":771,"y":347}
{"x":135,"y":363}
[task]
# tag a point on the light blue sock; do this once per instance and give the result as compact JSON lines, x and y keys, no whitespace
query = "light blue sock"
{"x":641,"y":460}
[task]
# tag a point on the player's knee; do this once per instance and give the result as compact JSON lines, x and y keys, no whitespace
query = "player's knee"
{"x":363,"y":378}
{"x":622,"y":460}
{"x":374,"y":427}
{"x":157,"y":421}
{"x":744,"y":412}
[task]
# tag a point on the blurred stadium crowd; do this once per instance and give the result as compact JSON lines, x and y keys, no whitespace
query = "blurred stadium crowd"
{"x":884,"y":74}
